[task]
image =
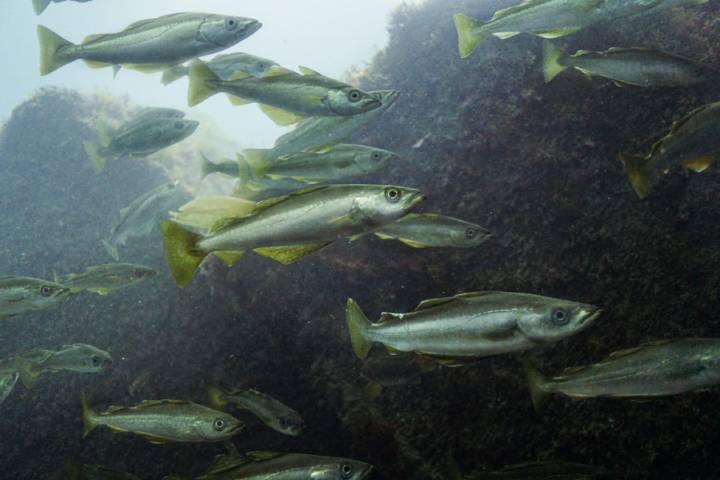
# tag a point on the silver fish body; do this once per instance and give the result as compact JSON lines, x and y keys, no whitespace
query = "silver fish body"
{"x":457,"y":330}
{"x":430,"y":230}
{"x":24,"y":294}
{"x":78,"y":358}
{"x":106,"y":278}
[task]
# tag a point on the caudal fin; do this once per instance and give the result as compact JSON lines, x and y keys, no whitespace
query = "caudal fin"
{"x":216,"y":397}
{"x":639,"y":170}
{"x":357,"y":324}
{"x":88,"y":416}
{"x":51,"y":44}
{"x":535,"y":380}
{"x":469,"y":38}
{"x":207,"y":167}
{"x":181,"y":252}
{"x":201,"y":78}
{"x":40,"y":5}
{"x":552,"y":61}
{"x":29,"y":372}
{"x":174,"y":73}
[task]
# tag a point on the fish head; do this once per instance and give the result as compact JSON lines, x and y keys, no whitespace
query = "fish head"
{"x":369,"y":160}
{"x":386,"y":97}
{"x":173,"y":131}
{"x":84,"y":358}
{"x":466,"y":234}
{"x":291,"y":424}
{"x":225,"y":31}
{"x":341,"y":469}
{"x":42,"y":294}
{"x":378,"y":205}
{"x":259,"y":67}
{"x":351,"y":101}
{"x":547,"y":320}
{"x":218,"y":426}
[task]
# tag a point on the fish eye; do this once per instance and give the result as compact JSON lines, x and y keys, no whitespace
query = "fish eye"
{"x":230,"y":24}
{"x":219,"y":424}
{"x":560,"y":317}
{"x":261,"y":66}
{"x":393,"y":195}
{"x":470,"y":233}
{"x":354,"y":96}
{"x":95,"y":360}
{"x":376,"y":156}
{"x":46,"y":291}
{"x":347,"y":470}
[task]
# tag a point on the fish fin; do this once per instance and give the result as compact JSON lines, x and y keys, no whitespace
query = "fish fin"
{"x":468,"y":36}
{"x":357,"y":325}
{"x":433,"y":302}
{"x":699,"y":164}
{"x":173,"y":73}
{"x":181,"y":252}
{"x":272,"y":201}
{"x":116,"y":70}
{"x":111,"y":249}
{"x":560,"y":32}
{"x":206,"y":167}
{"x":279,"y":116}
{"x":230,"y":257}
{"x":200,"y":76}
{"x":94,"y":64}
{"x":639,"y":169}
{"x":254,"y":155}
{"x":92,"y":37}
{"x":225,"y":223}
{"x":29,"y":372}
{"x":552,"y":61}
{"x":413,"y":243}
{"x":288,"y":254}
{"x":217,"y":399}
{"x":535,"y":381}
{"x":148,"y":67}
{"x":505,"y":35}
{"x":154,"y":439}
{"x":99,"y":291}
{"x":278,"y":71}
{"x":384,"y":236}
{"x":88,"y":415}
{"x":587,"y":73}
{"x":40,"y":5}
{"x":238,"y":101}
{"x":308,"y":71}
{"x":209,"y":211}
{"x":94,"y":152}
{"x":238,"y":75}
{"x":254,"y":167}
{"x":50,"y":45}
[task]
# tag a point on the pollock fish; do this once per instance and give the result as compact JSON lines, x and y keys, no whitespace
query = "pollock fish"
{"x":7,"y":384}
{"x":267,"y":465}
{"x":24,"y":294}
{"x":148,"y":45}
{"x":151,"y":133}
{"x":460,"y":329}
{"x":553,"y":18}
{"x":140,"y":217}
{"x":103,"y":279}
{"x":284,"y":96}
{"x":78,"y":358}
{"x":638,"y":67}
{"x":270,"y":411}
{"x":431,"y":230}
{"x":224,"y":66}
{"x":654,"y":369}
{"x":163,"y":421}
{"x":289,"y":227}
{"x":41,"y":5}
{"x":693,"y":142}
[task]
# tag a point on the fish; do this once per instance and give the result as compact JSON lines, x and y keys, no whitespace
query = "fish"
{"x":549,"y":470}
{"x":458,"y":330}
{"x":263,"y":465}
{"x":224,"y":66}
{"x":103,"y":279}
{"x":24,"y":294}
{"x":270,"y":411}
{"x":693,"y":142}
{"x":150,"y":45}
{"x":140,"y":217}
{"x":151,"y":133}
{"x":7,"y":384}
{"x":431,"y":230}
{"x":286,"y":97}
{"x":395,"y":370}
{"x":78,"y":358}
{"x":638,"y":67}
{"x":95,"y":472}
{"x":164,"y":421}
{"x":41,"y":5}
{"x":552,"y":18}
{"x":289,"y":227}
{"x":653,"y":369}
{"x":229,"y":168}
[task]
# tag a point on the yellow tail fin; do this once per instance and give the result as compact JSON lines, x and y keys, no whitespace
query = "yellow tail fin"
{"x":40,"y":5}
{"x":468,"y":36}
{"x":216,"y":397}
{"x":201,"y":77}
{"x":181,"y":252}
{"x":88,"y":416}
{"x":357,"y":324}
{"x":639,"y":170}
{"x":552,"y":61}
{"x":50,"y":50}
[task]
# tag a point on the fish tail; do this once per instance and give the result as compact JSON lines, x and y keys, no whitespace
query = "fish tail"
{"x":29,"y":373}
{"x":174,"y":73}
{"x":469,"y":38}
{"x":255,"y":160}
{"x":89,"y":415}
{"x":638,"y":169}
{"x":181,"y":251}
{"x":552,"y":61}
{"x":206,"y":167}
{"x":40,"y":6}
{"x":536,"y":380}
{"x":216,"y":397}
{"x":94,"y":152}
{"x":51,"y":45}
{"x":111,"y":249}
{"x":200,"y":79}
{"x":358,"y":324}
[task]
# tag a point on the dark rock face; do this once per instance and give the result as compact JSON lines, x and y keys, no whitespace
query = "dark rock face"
{"x":538,"y":164}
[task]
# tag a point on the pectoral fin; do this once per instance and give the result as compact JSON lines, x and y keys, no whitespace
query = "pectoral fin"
{"x":149,"y":67}
{"x":93,"y":64}
{"x":229,"y":257}
{"x":699,"y":164}
{"x":505,"y":35}
{"x":290,"y":253}
{"x":560,"y":32}
{"x":412,"y":243}
{"x":238,"y":101}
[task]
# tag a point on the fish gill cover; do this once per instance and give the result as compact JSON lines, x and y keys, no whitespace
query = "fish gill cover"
{"x":537,"y":164}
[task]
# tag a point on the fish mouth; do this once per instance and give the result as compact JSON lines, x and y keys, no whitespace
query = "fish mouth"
{"x":365,"y":472}
{"x":235,"y":429}
{"x":588,"y":319}
{"x":251,"y":27}
{"x":415,"y":199}
{"x":63,"y":292}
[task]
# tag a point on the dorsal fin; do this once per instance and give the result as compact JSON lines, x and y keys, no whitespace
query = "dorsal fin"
{"x":433,"y":302}
{"x":139,"y":23}
{"x":93,"y":37}
{"x":261,"y":456}
{"x":278,"y":71}
{"x":390,"y":317}
{"x":308,"y":71}
{"x":629,"y":351}
{"x":225,"y":223}
{"x":269,"y":202}
{"x":502,"y":13}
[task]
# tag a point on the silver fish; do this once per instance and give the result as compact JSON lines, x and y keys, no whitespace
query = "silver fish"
{"x":148,"y":45}
{"x":78,"y":358}
{"x":103,"y":279}
{"x":140,"y":217}
{"x":654,"y":369}
{"x":431,"y":230}
{"x":23,"y":294}
{"x":224,"y":66}
{"x":460,"y":329}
